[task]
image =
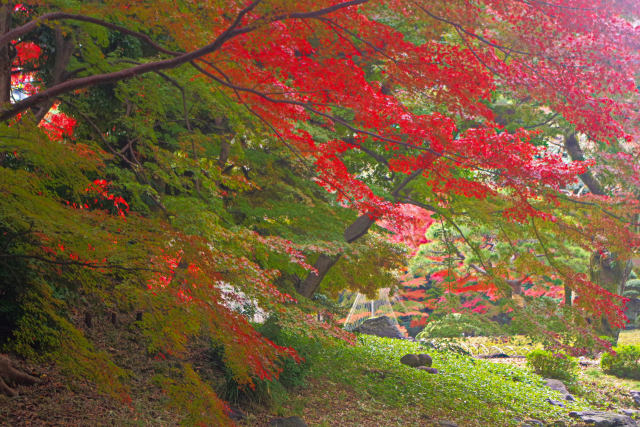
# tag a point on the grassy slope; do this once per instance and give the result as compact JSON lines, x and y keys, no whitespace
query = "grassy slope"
{"x":367,"y":385}
{"x":347,"y":386}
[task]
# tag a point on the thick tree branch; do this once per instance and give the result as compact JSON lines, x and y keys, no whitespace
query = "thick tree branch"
{"x":18,"y":32}
{"x":357,"y":229}
{"x":234,"y":30}
{"x":576,"y":154}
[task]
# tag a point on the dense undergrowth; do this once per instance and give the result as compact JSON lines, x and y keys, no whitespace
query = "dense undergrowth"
{"x":335,"y":384}
{"x":472,"y":391}
{"x":366,"y":384}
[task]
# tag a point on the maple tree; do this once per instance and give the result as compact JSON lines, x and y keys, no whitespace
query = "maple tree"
{"x":167,"y":126}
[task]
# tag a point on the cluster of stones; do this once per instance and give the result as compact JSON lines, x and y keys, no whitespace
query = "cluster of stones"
{"x":595,"y":418}
{"x":419,"y":361}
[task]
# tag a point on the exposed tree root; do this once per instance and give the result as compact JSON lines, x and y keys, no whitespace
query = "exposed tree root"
{"x":11,"y":377}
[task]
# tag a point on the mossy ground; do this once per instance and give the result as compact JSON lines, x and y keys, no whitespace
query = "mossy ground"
{"x":367,"y":386}
{"x":363,"y":385}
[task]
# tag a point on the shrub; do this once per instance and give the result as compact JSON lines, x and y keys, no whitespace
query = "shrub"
{"x":269,"y":392}
{"x":459,"y":324}
{"x":632,"y":288}
{"x":557,"y":365}
{"x":624,"y":363}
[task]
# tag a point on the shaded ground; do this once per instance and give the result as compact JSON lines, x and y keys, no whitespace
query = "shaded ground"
{"x":326,"y":403}
{"x":363,"y":389}
{"x":66,"y":400}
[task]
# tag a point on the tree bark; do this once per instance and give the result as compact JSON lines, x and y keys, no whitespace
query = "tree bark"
{"x":6,"y":55}
{"x":575,"y":152}
{"x":609,"y":273}
{"x":64,"y":50}
{"x":323,"y":264}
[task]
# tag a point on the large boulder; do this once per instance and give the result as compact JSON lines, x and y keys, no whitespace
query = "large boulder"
{"x":603,"y":419}
{"x":425,"y":359}
{"x":636,"y":397}
{"x":382,"y":326}
{"x":558,"y":386}
{"x":411,"y":360}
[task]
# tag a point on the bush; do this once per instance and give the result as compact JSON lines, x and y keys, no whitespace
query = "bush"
{"x":458,"y":324}
{"x":557,"y":365}
{"x":624,"y":363}
{"x":632,"y":288}
{"x":269,"y":392}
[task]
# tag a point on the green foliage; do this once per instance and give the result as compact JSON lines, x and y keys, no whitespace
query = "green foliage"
{"x":293,"y":373}
{"x":275,"y":391}
{"x":490,"y":393}
{"x":624,"y":362}
{"x":189,"y":395}
{"x":455,"y":325}
{"x":548,"y":364}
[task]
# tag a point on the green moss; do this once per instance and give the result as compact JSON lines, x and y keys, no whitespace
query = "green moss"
{"x":473,"y":391}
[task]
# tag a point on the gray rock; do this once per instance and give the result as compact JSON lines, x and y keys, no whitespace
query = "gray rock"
{"x":631,"y":412}
{"x":446,"y":423}
{"x":494,"y":356}
{"x":425,"y":359}
{"x":288,"y":422}
{"x":556,"y":385}
{"x":554,"y":402}
{"x":636,"y":397}
{"x":411,"y":360}
{"x":428,"y":369}
{"x":381,"y":326}
{"x":498,"y":356}
{"x":559,"y":386}
{"x":236,"y":413}
{"x":534,"y":422}
{"x":603,"y":419}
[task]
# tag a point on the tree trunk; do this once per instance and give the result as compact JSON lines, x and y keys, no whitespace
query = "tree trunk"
{"x":610,"y":274}
{"x":568,"y":296}
{"x":359,"y":228}
{"x":6,"y":55}
{"x":64,"y":50}
{"x":323,"y":264}
{"x":575,"y":152}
